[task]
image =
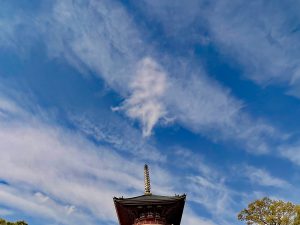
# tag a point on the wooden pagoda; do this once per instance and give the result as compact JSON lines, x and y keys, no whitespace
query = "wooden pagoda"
{"x":150,"y":209}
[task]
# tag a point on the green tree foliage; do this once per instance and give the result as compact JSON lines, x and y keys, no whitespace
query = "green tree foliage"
{"x":4,"y":222}
{"x":271,"y":212}
{"x":297,"y":218}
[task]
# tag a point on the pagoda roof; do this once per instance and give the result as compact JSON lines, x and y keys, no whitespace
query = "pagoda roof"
{"x":127,"y":208}
{"x":146,"y":199}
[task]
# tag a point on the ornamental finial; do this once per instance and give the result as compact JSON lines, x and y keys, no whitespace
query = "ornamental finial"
{"x":147,"y":180}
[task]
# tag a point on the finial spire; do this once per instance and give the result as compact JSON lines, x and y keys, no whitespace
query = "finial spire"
{"x":147,"y":180}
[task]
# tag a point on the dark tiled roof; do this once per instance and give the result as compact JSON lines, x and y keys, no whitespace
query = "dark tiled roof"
{"x":146,"y":199}
{"x":126,"y":208}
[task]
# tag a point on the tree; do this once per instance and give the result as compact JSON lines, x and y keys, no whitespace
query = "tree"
{"x":297,"y":219}
{"x":271,"y":212}
{"x":4,"y":222}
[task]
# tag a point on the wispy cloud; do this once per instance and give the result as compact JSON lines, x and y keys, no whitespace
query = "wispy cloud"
{"x":262,"y":177}
{"x":111,"y":47}
{"x":213,"y":194}
{"x":112,"y":50}
{"x":8,"y":107}
{"x":291,"y":152}
{"x":24,"y":201}
{"x":57,"y":174}
{"x":267,"y":46}
{"x":145,"y":102}
{"x":203,"y":106}
{"x":206,"y":186}
{"x":113,"y":130}
{"x":5,"y":212}
{"x":193,"y":219}
{"x":86,"y":166}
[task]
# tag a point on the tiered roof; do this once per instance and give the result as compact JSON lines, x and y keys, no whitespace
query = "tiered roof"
{"x":168,"y":208}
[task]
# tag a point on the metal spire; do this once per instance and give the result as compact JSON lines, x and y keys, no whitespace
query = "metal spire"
{"x":147,"y":180}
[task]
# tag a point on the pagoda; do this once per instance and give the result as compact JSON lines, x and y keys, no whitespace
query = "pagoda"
{"x":150,"y":209}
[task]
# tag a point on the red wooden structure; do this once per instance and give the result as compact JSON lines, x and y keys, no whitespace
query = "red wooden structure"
{"x":150,"y":209}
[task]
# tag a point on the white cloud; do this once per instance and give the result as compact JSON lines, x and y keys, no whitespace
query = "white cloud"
{"x":199,"y":102}
{"x":192,"y":160}
{"x":9,"y":107}
{"x":145,"y":102}
{"x":210,"y":192}
{"x":192,"y":219}
{"x":79,"y":176}
{"x":112,"y":49}
{"x":266,"y":45}
{"x":262,"y":177}
{"x":291,"y":152}
{"x":38,"y":158}
{"x":54,"y":173}
{"x":177,"y":18}
{"x":112,"y":129}
{"x":63,"y":174}
{"x":203,"y":106}
{"x":57,"y":174}
{"x":24,"y":201}
{"x":103,"y":39}
{"x":5,"y":212}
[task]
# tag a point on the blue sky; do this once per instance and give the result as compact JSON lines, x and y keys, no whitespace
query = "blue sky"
{"x":206,"y":92}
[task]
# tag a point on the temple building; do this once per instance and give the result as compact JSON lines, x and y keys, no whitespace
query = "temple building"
{"x":149,"y":209}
